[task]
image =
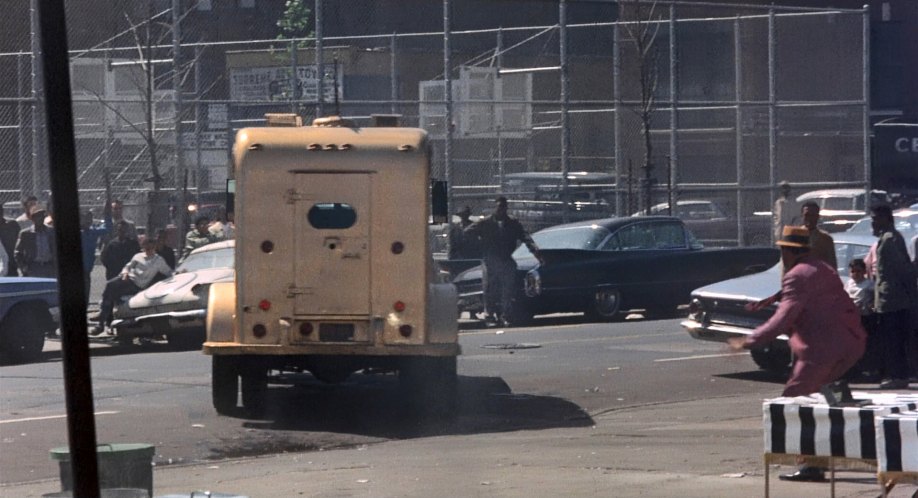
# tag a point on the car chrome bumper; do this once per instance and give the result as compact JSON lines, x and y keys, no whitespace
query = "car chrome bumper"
{"x":716,"y":332}
{"x":175,"y":319}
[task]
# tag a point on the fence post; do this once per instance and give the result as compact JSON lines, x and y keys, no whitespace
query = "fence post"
{"x":673,"y":111}
{"x":20,"y":116}
{"x":198,"y":116}
{"x":448,"y":90}
{"x":617,"y":120}
{"x":738,"y":122}
{"x":37,"y":135}
{"x":865,"y":106}
{"x":772,"y":101}
{"x":178,"y":100}
{"x":393,"y":72}
{"x":320,"y":62}
{"x":565,"y":102}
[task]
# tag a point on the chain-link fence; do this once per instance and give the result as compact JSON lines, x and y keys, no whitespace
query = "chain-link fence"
{"x":570,"y":108}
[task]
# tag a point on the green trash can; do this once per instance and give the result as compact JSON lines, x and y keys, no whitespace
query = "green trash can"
{"x":120,"y":466}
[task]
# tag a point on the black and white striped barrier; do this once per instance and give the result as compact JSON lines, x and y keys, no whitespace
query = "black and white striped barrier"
{"x":897,"y":448}
{"x":807,"y":426}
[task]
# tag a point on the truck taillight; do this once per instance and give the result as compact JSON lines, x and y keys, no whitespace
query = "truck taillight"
{"x":399,"y":306}
{"x":259,"y":330}
{"x":264,"y":305}
{"x":406,"y":330}
{"x":305,"y":328}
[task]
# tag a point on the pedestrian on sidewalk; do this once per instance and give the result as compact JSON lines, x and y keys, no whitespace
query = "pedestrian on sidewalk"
{"x":895,"y":295}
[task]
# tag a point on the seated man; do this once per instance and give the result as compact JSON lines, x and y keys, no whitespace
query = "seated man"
{"x":137,"y":275}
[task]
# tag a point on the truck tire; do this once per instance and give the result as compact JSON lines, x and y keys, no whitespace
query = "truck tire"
{"x":431,"y":386}
{"x":773,"y":358}
{"x":224,"y":384}
{"x":22,"y":334}
{"x":254,"y":389}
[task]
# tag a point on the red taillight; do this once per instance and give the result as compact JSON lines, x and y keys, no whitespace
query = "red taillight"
{"x":305,"y":328}
{"x":259,"y":330}
{"x":267,"y":246}
{"x":405,"y":330}
{"x":398,"y":247}
{"x":399,"y":306}
{"x":264,"y":305}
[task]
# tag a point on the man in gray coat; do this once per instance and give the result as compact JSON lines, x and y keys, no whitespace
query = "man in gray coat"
{"x":895,"y":294}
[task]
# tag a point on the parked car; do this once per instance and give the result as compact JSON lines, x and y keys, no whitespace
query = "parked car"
{"x":717,"y":312}
{"x":176,"y":307}
{"x":28,"y":311}
{"x":906,"y":222}
{"x":604,"y":267}
{"x":535,"y":197}
{"x":839,"y":209}
{"x":714,"y":225}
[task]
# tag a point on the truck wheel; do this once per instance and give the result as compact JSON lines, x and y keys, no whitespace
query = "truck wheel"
{"x":605,"y":306}
{"x":22,"y":334}
{"x":431,"y":386}
{"x":224,"y":384}
{"x":772,"y":358}
{"x":254,"y":389}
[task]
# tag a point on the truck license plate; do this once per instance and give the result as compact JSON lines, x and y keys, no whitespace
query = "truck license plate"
{"x":336,"y":332}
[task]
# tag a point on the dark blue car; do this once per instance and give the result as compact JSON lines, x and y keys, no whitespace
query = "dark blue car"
{"x":28,"y":311}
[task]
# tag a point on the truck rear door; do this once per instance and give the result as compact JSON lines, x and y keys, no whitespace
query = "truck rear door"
{"x":332,"y":237}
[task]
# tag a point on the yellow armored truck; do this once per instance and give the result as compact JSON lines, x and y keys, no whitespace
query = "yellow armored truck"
{"x":333,"y":270}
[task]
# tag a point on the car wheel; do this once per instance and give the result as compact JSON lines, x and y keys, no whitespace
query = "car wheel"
{"x":773,"y":358}
{"x":254,"y":389}
{"x":606,"y":305}
{"x":22,"y":334}
{"x":224,"y":384}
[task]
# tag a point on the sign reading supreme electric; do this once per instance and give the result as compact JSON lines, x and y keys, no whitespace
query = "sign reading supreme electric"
{"x":274,"y":83}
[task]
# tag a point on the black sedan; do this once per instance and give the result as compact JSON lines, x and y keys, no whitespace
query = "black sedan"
{"x":718,"y":311}
{"x":605,"y":267}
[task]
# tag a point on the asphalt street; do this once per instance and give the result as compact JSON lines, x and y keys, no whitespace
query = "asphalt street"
{"x":634,"y":408}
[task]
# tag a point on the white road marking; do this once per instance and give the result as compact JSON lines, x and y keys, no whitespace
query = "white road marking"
{"x":700,"y":357}
{"x":49,"y":417}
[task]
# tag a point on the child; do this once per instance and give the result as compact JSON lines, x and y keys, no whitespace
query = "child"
{"x":860,"y":288}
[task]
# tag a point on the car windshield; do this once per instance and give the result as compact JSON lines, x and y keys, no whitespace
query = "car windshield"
{"x":218,"y":258}
{"x":582,"y":237}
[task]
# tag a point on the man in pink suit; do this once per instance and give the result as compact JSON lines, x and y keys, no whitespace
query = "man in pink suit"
{"x":822,"y":322}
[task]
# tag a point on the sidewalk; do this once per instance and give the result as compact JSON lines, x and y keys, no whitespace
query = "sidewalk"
{"x":661,"y":451}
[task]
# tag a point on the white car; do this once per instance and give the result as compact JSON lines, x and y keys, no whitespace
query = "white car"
{"x":176,"y":307}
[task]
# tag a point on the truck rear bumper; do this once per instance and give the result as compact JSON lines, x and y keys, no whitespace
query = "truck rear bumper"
{"x":234,"y":348}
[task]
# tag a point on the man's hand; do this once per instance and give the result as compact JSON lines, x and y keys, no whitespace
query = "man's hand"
{"x":736,"y":343}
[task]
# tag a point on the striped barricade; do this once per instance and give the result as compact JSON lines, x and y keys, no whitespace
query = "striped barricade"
{"x":828,"y":436}
{"x":897,"y":448}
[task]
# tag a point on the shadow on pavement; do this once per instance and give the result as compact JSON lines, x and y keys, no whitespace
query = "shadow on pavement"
{"x":373,"y":406}
{"x":764,"y":376}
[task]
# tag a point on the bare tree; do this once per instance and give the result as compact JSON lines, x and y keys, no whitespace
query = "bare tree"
{"x":642,"y":23}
